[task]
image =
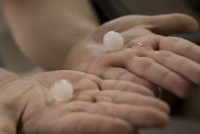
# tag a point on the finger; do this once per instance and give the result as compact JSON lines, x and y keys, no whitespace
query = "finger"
{"x":160,"y":75}
{"x":7,"y":122}
{"x":84,"y":123}
{"x":125,"y":86}
{"x":131,"y":98}
{"x":160,"y":24}
{"x":99,"y":124}
{"x":171,"y":23}
{"x":136,"y":115}
{"x":121,"y":97}
{"x":113,"y":68}
{"x":179,"y":64}
{"x":117,"y":73}
{"x":180,"y":46}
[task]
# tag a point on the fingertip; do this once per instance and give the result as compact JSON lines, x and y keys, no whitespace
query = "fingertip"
{"x":154,"y":118}
{"x":163,"y":106}
{"x":162,"y":119}
{"x":167,"y":108}
{"x":162,"y":123}
{"x":119,"y":126}
{"x":186,"y":23}
{"x":187,"y":93}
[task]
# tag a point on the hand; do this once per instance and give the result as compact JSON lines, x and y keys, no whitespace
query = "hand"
{"x":98,"y":106}
{"x":147,"y":58}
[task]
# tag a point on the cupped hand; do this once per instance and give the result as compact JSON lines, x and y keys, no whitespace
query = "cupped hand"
{"x":97,"y":106}
{"x":149,"y":57}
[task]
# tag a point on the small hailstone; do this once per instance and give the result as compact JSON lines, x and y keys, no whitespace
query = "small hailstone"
{"x":62,"y":90}
{"x":113,"y":41}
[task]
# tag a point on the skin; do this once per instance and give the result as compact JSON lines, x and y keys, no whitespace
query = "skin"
{"x":147,"y":58}
{"x":70,"y":35}
{"x":98,"y":106}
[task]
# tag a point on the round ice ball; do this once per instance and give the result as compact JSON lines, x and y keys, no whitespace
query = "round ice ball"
{"x":113,"y":41}
{"x":62,"y":90}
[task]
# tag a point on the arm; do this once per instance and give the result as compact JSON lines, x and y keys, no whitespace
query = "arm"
{"x":46,"y":29}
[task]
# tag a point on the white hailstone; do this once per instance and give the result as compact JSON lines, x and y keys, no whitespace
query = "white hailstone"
{"x":113,"y":41}
{"x":62,"y":90}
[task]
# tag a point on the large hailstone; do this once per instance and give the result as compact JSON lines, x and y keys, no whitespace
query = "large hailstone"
{"x":113,"y":41}
{"x":62,"y":90}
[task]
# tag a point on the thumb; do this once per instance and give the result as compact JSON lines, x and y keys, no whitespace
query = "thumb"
{"x":160,"y":24}
{"x":7,"y":122}
{"x":171,"y":24}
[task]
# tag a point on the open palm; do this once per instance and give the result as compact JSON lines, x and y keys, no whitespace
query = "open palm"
{"x":148,"y":58}
{"x":98,"y":106}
